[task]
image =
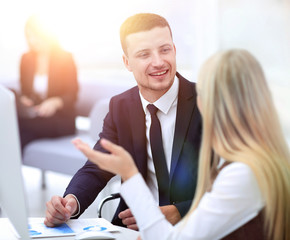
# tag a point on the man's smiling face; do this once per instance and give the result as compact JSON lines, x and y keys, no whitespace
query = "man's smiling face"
{"x":151,"y":56}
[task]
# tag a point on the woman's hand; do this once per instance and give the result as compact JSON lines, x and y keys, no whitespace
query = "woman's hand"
{"x":26,"y":101}
{"x":49,"y":107}
{"x":118,"y":161}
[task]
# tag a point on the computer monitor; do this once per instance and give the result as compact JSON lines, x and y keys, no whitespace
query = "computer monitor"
{"x":12,"y":194}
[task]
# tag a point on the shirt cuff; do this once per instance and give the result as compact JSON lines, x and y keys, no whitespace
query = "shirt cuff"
{"x":79,"y":206}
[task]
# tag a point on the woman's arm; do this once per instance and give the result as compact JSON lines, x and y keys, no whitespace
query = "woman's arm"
{"x":234,"y":200}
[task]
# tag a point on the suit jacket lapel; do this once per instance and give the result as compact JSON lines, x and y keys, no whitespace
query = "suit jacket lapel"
{"x":185,"y":106}
{"x":137,"y":124}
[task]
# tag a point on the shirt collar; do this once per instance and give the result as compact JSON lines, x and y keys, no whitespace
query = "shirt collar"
{"x":165,"y":101}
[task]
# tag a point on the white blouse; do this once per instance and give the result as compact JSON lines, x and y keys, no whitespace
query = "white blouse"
{"x":40,"y":84}
{"x":234,"y":200}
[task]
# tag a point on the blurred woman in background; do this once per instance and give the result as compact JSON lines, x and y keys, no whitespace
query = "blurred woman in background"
{"x":49,"y":87}
{"x":244,"y":193}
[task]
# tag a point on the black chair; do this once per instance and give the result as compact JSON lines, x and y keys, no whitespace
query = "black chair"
{"x":106,"y":199}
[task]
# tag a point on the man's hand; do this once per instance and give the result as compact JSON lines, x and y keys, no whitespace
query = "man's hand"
{"x":128,"y":219}
{"x":170,"y":212}
{"x":59,"y":210}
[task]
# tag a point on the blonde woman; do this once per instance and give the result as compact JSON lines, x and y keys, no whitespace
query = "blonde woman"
{"x":245,"y":192}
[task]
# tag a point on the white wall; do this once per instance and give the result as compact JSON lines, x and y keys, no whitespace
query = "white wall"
{"x":90,"y":30}
{"x":263,"y":28}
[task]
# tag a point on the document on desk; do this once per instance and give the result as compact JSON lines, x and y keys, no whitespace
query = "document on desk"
{"x":37,"y":229}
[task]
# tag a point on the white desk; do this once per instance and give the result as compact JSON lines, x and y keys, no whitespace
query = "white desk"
{"x":6,"y":233}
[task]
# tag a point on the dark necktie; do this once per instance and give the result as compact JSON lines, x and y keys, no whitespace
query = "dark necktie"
{"x":158,"y":156}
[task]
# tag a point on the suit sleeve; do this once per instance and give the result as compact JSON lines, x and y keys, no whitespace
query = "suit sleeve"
{"x":183,"y":207}
{"x":87,"y":183}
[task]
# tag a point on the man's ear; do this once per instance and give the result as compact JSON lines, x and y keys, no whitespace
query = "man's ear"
{"x":126,"y":62}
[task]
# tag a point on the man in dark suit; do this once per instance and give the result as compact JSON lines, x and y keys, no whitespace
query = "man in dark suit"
{"x":150,"y":54}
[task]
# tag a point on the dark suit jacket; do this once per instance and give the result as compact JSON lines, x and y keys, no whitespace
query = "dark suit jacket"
{"x":62,"y":77}
{"x":125,"y":126}
{"x":62,"y":82}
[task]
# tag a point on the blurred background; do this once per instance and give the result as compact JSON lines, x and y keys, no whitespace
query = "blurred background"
{"x":90,"y":30}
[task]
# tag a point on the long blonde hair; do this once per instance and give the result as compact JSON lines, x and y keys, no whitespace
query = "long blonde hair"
{"x":240,"y":124}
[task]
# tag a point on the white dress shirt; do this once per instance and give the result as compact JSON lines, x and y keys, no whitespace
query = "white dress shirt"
{"x":167,"y":105}
{"x":234,"y":200}
{"x":40,"y":84}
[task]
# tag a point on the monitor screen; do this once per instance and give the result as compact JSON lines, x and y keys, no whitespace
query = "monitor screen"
{"x":12,"y":194}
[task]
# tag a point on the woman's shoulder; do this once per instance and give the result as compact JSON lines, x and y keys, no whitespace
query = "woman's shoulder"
{"x":237,"y":165}
{"x":238,"y":174}
{"x":61,"y":55}
{"x":238,"y":180}
{"x":28,"y":55}
{"x":236,"y":168}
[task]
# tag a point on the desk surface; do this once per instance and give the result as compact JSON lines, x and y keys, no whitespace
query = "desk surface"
{"x":6,"y":233}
